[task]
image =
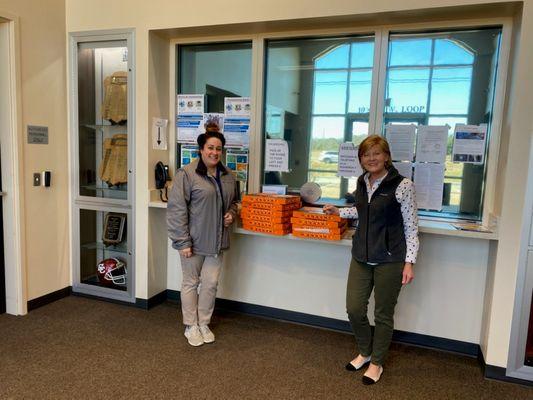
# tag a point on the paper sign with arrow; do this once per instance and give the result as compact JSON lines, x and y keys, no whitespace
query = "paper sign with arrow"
{"x":159,"y":133}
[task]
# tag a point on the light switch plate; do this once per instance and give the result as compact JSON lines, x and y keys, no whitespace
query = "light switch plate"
{"x":36,"y":179}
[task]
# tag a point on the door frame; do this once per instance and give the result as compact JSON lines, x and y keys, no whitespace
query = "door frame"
{"x":12,"y":166}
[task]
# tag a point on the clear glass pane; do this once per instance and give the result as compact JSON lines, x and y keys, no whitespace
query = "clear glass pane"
{"x":323,"y":160}
{"x":449,"y":52}
{"x":306,"y":102}
{"x":103,"y":119}
{"x":336,"y":57}
{"x":326,"y":136}
{"x":450,"y":121}
{"x":330,"y":92}
{"x":362,"y":55}
{"x":328,"y":128}
{"x":407,"y":90}
{"x":409,"y":51}
{"x":217,"y":70}
{"x":104,"y":254}
{"x":274,"y":120}
{"x":460,"y":92}
{"x":360,"y":91}
{"x":450,"y":90}
{"x":329,"y":183}
{"x":359,"y":131}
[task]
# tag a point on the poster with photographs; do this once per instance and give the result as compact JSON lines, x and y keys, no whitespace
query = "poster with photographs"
{"x":469,"y":143}
{"x":237,"y":161}
{"x":189,"y":117}
{"x":189,"y":104}
{"x":237,"y":121}
{"x":188,"y":154}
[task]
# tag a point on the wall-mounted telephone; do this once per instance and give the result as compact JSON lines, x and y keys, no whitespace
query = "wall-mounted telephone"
{"x":161,"y":178}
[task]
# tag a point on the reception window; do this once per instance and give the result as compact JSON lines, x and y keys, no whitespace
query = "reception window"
{"x":445,"y":78}
{"x":321,"y":92}
{"x":318,"y":94}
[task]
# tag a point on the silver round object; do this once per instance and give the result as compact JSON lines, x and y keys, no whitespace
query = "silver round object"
{"x":310,"y":192}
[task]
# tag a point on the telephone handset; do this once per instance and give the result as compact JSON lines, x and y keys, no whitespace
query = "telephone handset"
{"x":161,"y":178}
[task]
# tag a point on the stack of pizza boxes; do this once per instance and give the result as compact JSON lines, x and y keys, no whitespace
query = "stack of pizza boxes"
{"x":269,"y":213}
{"x":313,"y":223}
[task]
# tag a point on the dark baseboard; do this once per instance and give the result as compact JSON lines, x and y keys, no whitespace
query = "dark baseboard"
{"x":499,"y":373}
{"x":152,"y":301}
{"x":144,"y":304}
{"x":416,"y":339}
{"x":435,"y":342}
{"x":107,"y":300}
{"x":49,"y":298}
{"x":173,"y":296}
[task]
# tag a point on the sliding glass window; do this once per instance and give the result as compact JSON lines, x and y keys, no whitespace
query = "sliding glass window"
{"x":443,"y":78}
{"x":216,"y":70}
{"x":317,"y":95}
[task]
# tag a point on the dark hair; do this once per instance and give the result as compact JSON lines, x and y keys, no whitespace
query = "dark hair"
{"x":202,"y":139}
{"x":375,"y":140}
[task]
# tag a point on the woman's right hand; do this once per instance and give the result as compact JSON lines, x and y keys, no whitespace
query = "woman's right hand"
{"x":187,"y":253}
{"x":331,"y":209}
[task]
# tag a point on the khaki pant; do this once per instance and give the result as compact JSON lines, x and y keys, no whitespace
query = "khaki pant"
{"x":199,"y":288}
{"x":386,"y":280}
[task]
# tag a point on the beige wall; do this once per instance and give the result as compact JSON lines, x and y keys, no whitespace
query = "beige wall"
{"x":159,"y":14}
{"x":42,"y":69}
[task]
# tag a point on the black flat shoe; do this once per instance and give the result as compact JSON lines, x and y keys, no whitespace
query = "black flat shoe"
{"x":357,"y":367}
{"x":370,"y":381}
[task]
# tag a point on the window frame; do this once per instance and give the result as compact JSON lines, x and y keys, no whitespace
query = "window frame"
{"x":377,"y":100}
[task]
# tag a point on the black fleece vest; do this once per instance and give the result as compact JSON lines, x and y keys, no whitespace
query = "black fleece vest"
{"x":379,"y":237}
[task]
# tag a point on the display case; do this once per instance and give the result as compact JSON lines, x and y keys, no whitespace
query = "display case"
{"x":520,"y":360}
{"x":101,"y":103}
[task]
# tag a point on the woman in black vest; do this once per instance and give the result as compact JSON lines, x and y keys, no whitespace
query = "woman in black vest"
{"x":385,"y":246}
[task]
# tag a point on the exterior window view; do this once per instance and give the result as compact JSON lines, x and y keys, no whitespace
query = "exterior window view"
{"x":442,"y":78}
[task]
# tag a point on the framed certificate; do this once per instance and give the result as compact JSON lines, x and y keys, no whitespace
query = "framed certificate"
{"x":114,"y":225}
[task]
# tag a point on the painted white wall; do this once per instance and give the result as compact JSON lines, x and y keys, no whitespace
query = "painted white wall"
{"x":444,"y":300}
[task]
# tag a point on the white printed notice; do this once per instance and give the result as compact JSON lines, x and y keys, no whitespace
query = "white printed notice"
{"x":277,"y":155}
{"x":431,"y":143}
{"x":469,"y":143}
{"x":237,"y":121}
{"x":429,"y":184}
{"x":405,"y":169}
{"x":189,"y":117}
{"x":159,"y":133}
{"x":401,"y":139}
{"x":190,"y":104}
{"x":189,"y":127}
{"x":348,"y":161}
{"x":237,"y":106}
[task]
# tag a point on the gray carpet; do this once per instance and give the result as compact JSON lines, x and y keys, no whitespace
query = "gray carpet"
{"x":79,"y":348}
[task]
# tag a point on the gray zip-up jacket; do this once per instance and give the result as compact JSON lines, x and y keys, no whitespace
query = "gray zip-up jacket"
{"x":195,"y":209}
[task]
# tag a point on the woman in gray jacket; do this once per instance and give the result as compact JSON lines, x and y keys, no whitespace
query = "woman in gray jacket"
{"x":201,"y":206}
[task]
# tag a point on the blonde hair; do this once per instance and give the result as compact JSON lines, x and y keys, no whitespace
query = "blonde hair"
{"x":375,"y":140}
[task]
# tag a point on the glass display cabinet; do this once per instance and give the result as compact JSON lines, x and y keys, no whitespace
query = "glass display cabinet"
{"x":102,"y":122}
{"x":520,"y":360}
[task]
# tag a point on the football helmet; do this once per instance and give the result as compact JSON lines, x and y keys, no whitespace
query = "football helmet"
{"x":112,"y":271}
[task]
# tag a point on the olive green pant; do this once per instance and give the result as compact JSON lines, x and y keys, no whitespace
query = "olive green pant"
{"x":386,"y":280}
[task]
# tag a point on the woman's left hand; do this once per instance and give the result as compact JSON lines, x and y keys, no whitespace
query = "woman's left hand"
{"x":228,"y":219}
{"x":408,"y":275}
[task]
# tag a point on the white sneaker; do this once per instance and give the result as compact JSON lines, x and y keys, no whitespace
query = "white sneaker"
{"x":193,"y":335}
{"x":207,"y":335}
